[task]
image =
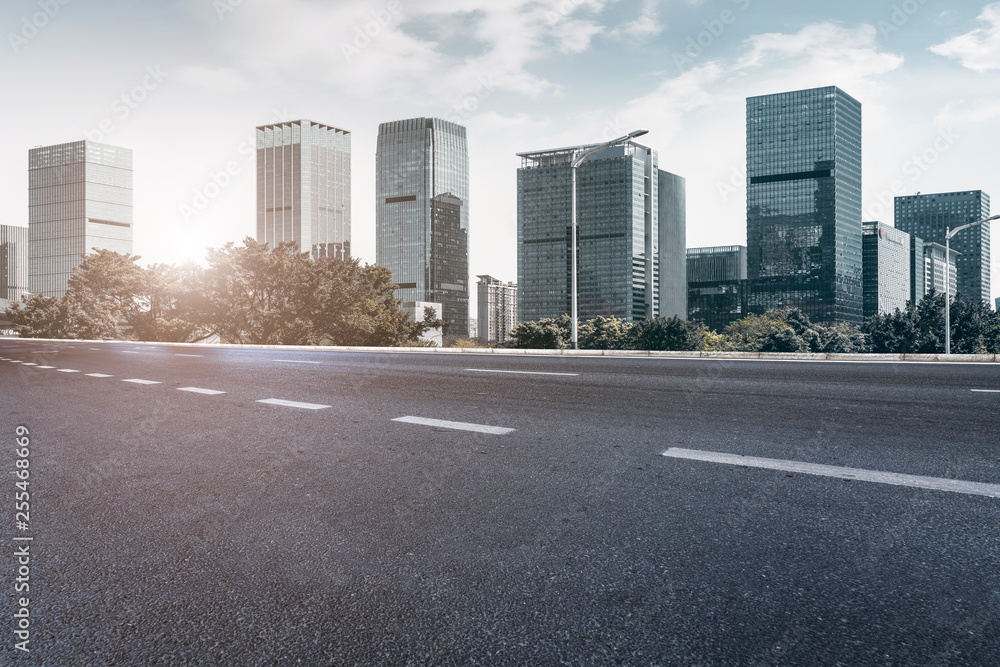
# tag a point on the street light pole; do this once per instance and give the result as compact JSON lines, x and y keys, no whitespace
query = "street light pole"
{"x":948,"y":234}
{"x":575,"y":161}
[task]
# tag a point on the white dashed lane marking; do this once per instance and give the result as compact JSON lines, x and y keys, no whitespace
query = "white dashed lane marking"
{"x":46,"y":366}
{"x":99,"y":375}
{"x":138,"y":381}
{"x":293,"y":404}
{"x":458,"y":426}
{"x":296,"y":361}
{"x":199,"y":390}
{"x":67,"y":370}
{"x":492,"y":370}
{"x":860,"y":474}
{"x":987,"y":391}
{"x":188,"y":355}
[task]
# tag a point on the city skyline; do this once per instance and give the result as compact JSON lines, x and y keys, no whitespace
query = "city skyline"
{"x":511,"y":74}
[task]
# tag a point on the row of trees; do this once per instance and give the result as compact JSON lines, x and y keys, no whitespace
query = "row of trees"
{"x":246,"y":294}
{"x":975,"y":329}
{"x":252,"y":294}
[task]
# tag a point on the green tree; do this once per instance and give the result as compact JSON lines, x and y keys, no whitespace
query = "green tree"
{"x":258,"y":296}
{"x":67,"y":316}
{"x":604,"y":333}
{"x":356,"y":305}
{"x":544,"y":334}
{"x":748,"y":334}
{"x":668,"y":333}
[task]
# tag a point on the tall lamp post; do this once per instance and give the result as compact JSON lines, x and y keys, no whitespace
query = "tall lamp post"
{"x":576,"y":162}
{"x":948,"y":234}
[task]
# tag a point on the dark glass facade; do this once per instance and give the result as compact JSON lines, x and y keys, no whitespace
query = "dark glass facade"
{"x":918,"y":281}
{"x":422,"y":214}
{"x":79,"y":200}
{"x":716,"y":278}
{"x":928,"y":216}
{"x":627,"y":209}
{"x":304,"y":187}
{"x":804,"y":203}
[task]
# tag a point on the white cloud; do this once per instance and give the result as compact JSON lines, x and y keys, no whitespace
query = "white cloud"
{"x":962,"y":114}
{"x":385,"y":51}
{"x":645,"y":27}
{"x":979,"y":49}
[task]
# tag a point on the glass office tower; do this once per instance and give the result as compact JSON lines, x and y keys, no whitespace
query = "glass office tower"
{"x":717,"y":277}
{"x":13,"y":262}
{"x":304,"y":187}
{"x":627,"y":209}
{"x":928,"y":216}
{"x":79,"y":200}
{"x":804,"y":203}
{"x":422,"y":214}
{"x":887,"y":268}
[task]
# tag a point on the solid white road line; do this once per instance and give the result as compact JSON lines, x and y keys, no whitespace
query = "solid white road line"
{"x":458,"y":426}
{"x":67,"y":370}
{"x":293,"y":404}
{"x":916,"y":481}
{"x":492,"y":370}
{"x":295,"y":361}
{"x":987,"y":391}
{"x":138,"y":381}
{"x":199,"y":390}
{"x":99,"y":375}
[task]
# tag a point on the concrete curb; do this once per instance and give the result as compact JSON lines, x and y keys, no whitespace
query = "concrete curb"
{"x":784,"y":356}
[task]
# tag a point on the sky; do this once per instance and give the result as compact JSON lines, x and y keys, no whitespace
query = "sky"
{"x":183,"y":83}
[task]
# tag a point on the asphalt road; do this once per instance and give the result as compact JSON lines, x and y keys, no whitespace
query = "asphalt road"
{"x":173,"y":526}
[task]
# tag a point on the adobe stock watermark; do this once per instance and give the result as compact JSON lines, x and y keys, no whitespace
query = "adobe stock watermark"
{"x":225,"y":7}
{"x":363,"y":35}
{"x":714,"y":28}
{"x":900,"y":16}
{"x":737,"y":183}
{"x":123,"y":105}
{"x":471,"y":103}
{"x":565,"y":8}
{"x":914,"y":169}
{"x":33,"y":24}
{"x":220,"y":179}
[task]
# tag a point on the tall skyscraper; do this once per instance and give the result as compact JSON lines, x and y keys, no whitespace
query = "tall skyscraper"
{"x":79,"y":200}
{"x":886,"y":260}
{"x":497,"y":309}
{"x":304,"y":187}
{"x":717,"y":278}
{"x":928,"y":216}
{"x":804,"y":203}
{"x":13,"y":262}
{"x":422,"y":214}
{"x":630,"y":240}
